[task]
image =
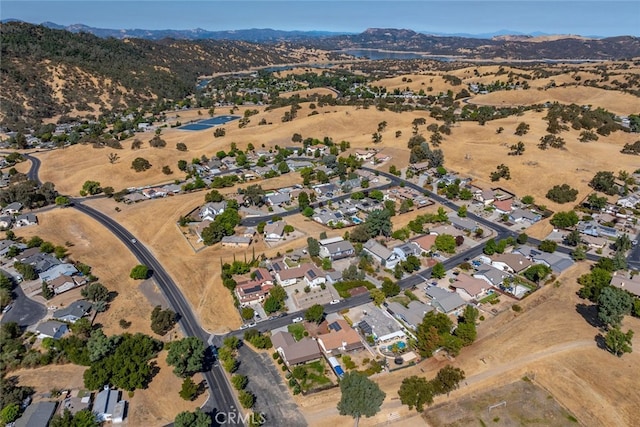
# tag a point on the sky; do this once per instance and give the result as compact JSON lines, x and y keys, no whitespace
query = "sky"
{"x":585,"y":17}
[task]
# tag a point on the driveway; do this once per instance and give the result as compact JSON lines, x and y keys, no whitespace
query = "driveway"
{"x":25,"y":312}
{"x":272,"y":395}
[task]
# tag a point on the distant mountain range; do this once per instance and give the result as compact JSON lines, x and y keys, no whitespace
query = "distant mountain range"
{"x":255,"y":34}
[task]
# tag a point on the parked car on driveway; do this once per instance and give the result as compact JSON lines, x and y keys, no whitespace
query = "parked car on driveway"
{"x":7,"y":308}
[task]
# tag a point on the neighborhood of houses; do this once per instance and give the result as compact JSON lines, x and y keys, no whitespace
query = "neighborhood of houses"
{"x":12,"y":218}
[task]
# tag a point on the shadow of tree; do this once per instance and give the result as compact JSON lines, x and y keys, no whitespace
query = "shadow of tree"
{"x":599,"y":339}
{"x":590,"y":314}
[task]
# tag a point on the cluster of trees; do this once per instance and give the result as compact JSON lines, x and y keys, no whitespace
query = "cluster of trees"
{"x":187,"y":356}
{"x":140,"y":164}
{"x":633,"y":148}
{"x":562,"y":193}
{"x":564,"y":219}
{"x":276,"y":300}
{"x":420,"y":152}
{"x":417,"y":225}
{"x":552,"y":141}
{"x":359,"y":396}
{"x":435,"y":332}
{"x":11,"y":394}
{"x":258,"y":339}
{"x":315,"y":314}
{"x":493,"y":247}
{"x":604,"y":182}
{"x":415,"y":392}
{"x":29,"y":193}
{"x":228,"y":352}
{"x":558,"y":116}
{"x":502,"y":171}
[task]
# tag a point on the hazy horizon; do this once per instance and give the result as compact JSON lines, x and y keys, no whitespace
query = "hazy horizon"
{"x":600,"y":18}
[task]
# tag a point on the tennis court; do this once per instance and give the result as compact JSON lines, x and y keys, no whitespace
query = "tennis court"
{"x":208,"y":123}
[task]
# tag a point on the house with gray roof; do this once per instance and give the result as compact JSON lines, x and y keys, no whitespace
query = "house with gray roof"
{"x":12,"y":208}
{"x":37,"y":415}
{"x":336,"y":248}
{"x":105,"y":404}
{"x":209,"y":211}
{"x":52,"y":329}
{"x":491,"y":275}
{"x":57,"y":271}
{"x":443,"y":300}
{"x":412,"y":315}
{"x":26,"y":220}
{"x":64,"y":283}
{"x":385,"y":256}
{"x":511,"y":262}
{"x":464,"y":224}
{"x":73,"y":312}
{"x":236,"y":241}
{"x":6,"y":244}
{"x":278,"y":199}
{"x":519,"y":215}
{"x":274,"y":231}
{"x":295,"y":353}
{"x":6,"y":221}
{"x":379,"y":324}
{"x":326,"y":217}
{"x":626,"y":282}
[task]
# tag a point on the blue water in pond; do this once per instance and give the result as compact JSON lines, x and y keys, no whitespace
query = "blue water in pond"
{"x":208,"y":123}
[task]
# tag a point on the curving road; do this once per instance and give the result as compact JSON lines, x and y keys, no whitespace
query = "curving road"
{"x":221,"y":393}
{"x":24,"y":311}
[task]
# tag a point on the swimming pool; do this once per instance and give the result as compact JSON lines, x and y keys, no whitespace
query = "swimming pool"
{"x":209,"y":123}
{"x":401,"y":346}
{"x":356,"y":220}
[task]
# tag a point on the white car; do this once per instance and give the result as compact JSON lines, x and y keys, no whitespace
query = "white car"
{"x":297,"y":320}
{"x":7,"y":308}
{"x":335,"y":301}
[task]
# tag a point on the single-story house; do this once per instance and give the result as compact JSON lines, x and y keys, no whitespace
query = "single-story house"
{"x":412,"y":315}
{"x":333,"y":276}
{"x":426,"y":242}
{"x":503,"y":206}
{"x":5,"y":245}
{"x":364,"y":154}
{"x":154,"y":193}
{"x":295,"y":353}
{"x":336,"y":248}
{"x":557,"y":262}
{"x":6,"y":221}
{"x":199,"y":228}
{"x":519,"y":215}
{"x":313,"y":276}
{"x":12,"y":208}
{"x":289,"y":276}
{"x":485,"y":196}
{"x":491,"y":275}
{"x":341,"y":338}
{"x":380,"y":158}
{"x":133,"y":197}
{"x":62,"y":284}
{"x":25,"y":220}
{"x":379,"y":324}
{"x":273,"y":232}
{"x":73,"y":312}
{"x":385,"y":256}
{"x":52,"y":329}
{"x":236,"y":241}
{"x":320,"y":148}
{"x":626,"y":282}
{"x":105,"y":404}
{"x":594,"y":242}
{"x":57,"y":271}
{"x":464,"y":224}
{"x":630,"y":201}
{"x":443,"y":300}
{"x":407,"y":249}
{"x":469,"y":286}
{"x":511,"y":262}
{"x":37,"y":414}
{"x":278,"y":199}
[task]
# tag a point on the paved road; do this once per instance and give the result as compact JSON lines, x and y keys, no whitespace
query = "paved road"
{"x":222,"y":398}
{"x":24,"y":311}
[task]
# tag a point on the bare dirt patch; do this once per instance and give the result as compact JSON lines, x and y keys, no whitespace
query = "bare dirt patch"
{"x":524,"y":404}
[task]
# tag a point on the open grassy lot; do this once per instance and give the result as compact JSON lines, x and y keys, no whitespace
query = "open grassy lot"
{"x":525,"y":404}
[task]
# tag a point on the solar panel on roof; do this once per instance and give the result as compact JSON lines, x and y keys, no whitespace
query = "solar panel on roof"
{"x":276,"y":267}
{"x":311,"y":274}
{"x":335,"y":326}
{"x":365,"y":327}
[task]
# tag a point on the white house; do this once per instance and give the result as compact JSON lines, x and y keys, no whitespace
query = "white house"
{"x":211,"y":210}
{"x":26,"y":220}
{"x":383,"y":255}
{"x":274,"y":231}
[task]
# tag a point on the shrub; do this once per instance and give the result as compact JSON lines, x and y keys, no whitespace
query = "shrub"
{"x":562,"y":193}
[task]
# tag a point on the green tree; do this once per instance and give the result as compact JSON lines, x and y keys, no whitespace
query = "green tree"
{"x":445,"y":243}
{"x":416,"y":392}
{"x":593,"y":283}
{"x":140,"y":164}
{"x":448,"y":379}
{"x":359,"y":396}
{"x":303,"y":200}
{"x":564,"y":219}
{"x":604,"y":181}
{"x":181,"y":146}
{"x":186,"y":356}
{"x":377,"y":296}
{"x":315,"y":313}
{"x":247,"y":313}
{"x":162,"y":321}
{"x":95,"y":292}
{"x":91,"y":188}
{"x":193,"y":419}
{"x":189,"y":389}
{"x":573,"y":238}
{"x":139,"y":272}
{"x":390,"y":288}
{"x":613,"y":305}
{"x":438,"y":271}
{"x":100,"y":346}
{"x":313,"y":246}
{"x":462,"y":211}
{"x":83,"y":418}
{"x":239,"y":381}
{"x":618,"y":342}
{"x":548,"y":246}
{"x":537,"y":272}
{"x":62,"y":201}
{"x":522,"y":238}
{"x":562,"y":193}
{"x":378,"y":223}
{"x":9,"y":413}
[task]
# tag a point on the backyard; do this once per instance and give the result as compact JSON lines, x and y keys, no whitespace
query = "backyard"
{"x":312,"y":375}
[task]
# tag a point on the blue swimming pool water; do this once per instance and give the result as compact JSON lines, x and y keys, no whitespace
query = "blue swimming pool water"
{"x":356,"y":220}
{"x":401,"y":346}
{"x":209,"y":123}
